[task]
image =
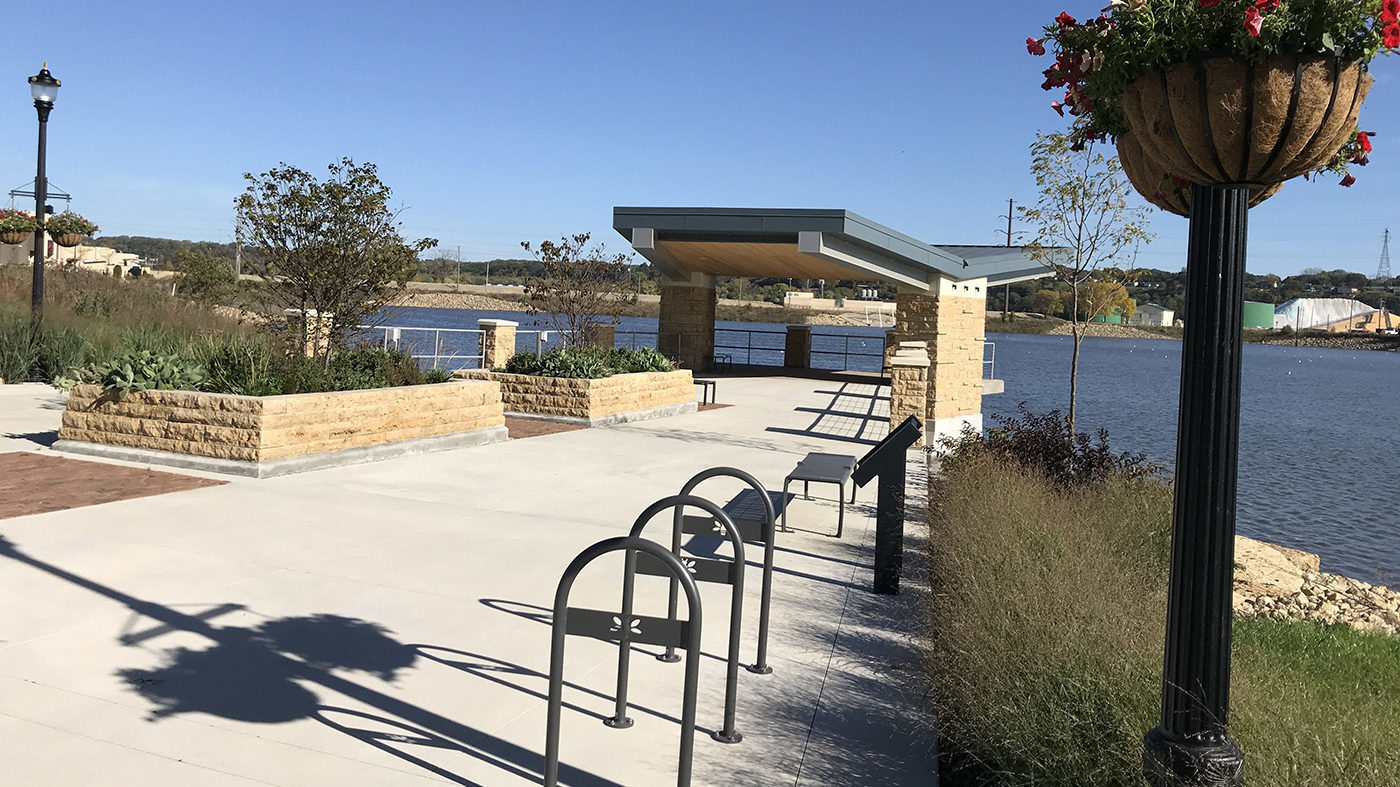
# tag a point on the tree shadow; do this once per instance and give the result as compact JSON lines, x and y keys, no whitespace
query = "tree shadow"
{"x":267,"y":673}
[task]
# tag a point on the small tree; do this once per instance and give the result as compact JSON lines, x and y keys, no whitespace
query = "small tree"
{"x":581,"y":286}
{"x":205,"y":278}
{"x":1103,"y":297}
{"x":1082,"y":222}
{"x":1047,"y":302}
{"x":333,"y":246}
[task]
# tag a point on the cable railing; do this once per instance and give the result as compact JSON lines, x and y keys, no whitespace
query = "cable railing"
{"x":868,"y":355}
{"x":989,"y":361}
{"x":758,"y":348}
{"x":439,"y":348}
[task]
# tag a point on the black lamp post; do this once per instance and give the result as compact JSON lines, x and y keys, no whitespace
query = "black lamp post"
{"x":44,"y":89}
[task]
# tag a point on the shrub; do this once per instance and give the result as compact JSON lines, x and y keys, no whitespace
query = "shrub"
{"x":588,"y":362}
{"x":145,"y":371}
{"x":1045,"y":444}
{"x":205,"y":278}
{"x":249,"y":367}
{"x":41,"y":353}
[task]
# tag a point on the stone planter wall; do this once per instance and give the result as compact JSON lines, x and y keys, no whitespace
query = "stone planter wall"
{"x":623,"y":397}
{"x":257,"y":430}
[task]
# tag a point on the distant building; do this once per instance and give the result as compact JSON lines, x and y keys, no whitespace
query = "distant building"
{"x":1151,"y":314}
{"x":1337,"y":315}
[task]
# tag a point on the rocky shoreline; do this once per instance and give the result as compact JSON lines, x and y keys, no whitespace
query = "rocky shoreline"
{"x":1285,"y":584}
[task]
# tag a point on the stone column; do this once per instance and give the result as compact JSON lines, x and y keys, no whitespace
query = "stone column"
{"x":797,"y":350}
{"x":308,"y":333}
{"x":685,"y":330}
{"x":602,"y":336}
{"x":952,"y":320}
{"x":909,"y":368}
{"x":497,"y":342}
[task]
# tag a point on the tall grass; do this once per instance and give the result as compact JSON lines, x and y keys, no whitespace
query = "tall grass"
{"x":91,"y":318}
{"x":1047,"y":629}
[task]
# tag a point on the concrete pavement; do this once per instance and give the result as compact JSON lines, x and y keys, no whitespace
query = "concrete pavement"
{"x":387,"y":623}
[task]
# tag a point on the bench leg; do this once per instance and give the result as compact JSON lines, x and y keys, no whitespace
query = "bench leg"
{"x":853,"y":493}
{"x":840,"y":511}
{"x":785,"y":503}
{"x":807,"y":490}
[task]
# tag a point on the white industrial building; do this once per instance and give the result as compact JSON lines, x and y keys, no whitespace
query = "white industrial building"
{"x":1152,"y":315}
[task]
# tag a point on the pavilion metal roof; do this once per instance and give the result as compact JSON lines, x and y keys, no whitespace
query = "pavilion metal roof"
{"x":807,"y":243}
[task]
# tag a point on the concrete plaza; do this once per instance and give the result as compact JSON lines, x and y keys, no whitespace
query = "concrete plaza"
{"x":388,"y":623}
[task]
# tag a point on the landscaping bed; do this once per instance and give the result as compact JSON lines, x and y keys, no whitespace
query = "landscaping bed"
{"x":1046,"y":628}
{"x":263,"y":436}
{"x":592,"y":387}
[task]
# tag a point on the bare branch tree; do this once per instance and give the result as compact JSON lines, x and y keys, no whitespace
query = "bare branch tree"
{"x":582,"y":286}
{"x":1082,"y":222}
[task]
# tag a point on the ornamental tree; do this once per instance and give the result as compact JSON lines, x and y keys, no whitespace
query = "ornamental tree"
{"x":331,"y":245}
{"x":1082,"y":222}
{"x":581,"y":286}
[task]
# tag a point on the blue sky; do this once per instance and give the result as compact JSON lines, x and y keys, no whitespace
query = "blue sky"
{"x":523,"y":120}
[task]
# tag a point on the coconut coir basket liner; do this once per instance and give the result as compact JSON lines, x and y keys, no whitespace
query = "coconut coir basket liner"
{"x":1221,"y":121}
{"x":1153,"y":180}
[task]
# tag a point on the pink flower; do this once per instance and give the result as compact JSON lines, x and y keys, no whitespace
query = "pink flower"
{"x":1253,"y":21}
{"x":1347,"y":181}
{"x":1036,"y":46}
{"x":1058,"y":107}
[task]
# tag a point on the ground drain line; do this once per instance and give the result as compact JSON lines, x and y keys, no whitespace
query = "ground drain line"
{"x":821,"y":690}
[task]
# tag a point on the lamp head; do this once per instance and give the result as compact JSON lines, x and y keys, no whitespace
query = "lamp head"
{"x":43,"y":86}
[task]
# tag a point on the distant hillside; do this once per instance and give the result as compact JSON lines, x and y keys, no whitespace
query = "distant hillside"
{"x":162,"y":252}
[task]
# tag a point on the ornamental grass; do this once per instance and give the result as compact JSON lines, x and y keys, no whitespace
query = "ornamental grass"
{"x":1047,"y":625}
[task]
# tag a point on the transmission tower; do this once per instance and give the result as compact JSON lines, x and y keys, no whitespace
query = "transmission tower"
{"x":1383,"y":272}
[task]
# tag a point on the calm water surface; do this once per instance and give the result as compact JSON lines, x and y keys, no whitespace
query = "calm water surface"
{"x":1319,"y":432}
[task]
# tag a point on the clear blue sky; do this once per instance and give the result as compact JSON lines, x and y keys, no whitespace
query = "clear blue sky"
{"x":496,"y":122}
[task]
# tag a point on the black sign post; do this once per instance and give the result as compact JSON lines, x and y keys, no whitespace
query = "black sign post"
{"x":887,"y":460}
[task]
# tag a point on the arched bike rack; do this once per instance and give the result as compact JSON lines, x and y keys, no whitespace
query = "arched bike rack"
{"x":703,"y":570}
{"x":624,"y":629}
{"x":751,"y":532}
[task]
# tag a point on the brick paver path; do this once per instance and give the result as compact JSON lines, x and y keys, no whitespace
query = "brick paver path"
{"x":37,"y":483}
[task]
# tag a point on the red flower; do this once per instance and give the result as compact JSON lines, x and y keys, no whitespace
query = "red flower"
{"x":1058,"y":107}
{"x":1266,"y":5}
{"x":1390,"y":10}
{"x":1391,"y":36}
{"x":1346,"y":181}
{"x":1253,"y":21}
{"x":1037,"y":47}
{"x":1065,"y":19}
{"x":1363,"y":139}
{"x":1209,"y":3}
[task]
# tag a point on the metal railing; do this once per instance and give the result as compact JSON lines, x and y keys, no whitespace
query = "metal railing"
{"x":448,"y":345}
{"x":829,"y":347}
{"x":989,"y":361}
{"x":753,"y":354}
{"x":875,"y":315}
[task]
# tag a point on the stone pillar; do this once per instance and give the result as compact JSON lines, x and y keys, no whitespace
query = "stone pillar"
{"x":602,"y":336}
{"x":952,"y":320}
{"x":497,"y":342}
{"x":308,"y":333}
{"x":909,"y":368}
{"x":685,"y":330}
{"x":797,"y":351}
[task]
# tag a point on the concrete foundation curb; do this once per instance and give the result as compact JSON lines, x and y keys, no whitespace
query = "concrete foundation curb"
{"x":664,"y":411}
{"x":289,"y":466}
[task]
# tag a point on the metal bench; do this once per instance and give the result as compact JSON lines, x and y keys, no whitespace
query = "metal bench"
{"x":719,"y":362}
{"x":823,"y":469}
{"x":707,"y":390}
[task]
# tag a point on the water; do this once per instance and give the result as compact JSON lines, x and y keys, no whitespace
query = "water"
{"x":1319,"y":456}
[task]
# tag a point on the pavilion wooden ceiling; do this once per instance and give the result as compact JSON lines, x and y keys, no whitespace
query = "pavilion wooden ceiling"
{"x":756,"y":260}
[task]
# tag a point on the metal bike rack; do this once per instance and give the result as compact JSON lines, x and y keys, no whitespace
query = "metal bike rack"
{"x":703,"y":570}
{"x":624,"y":629}
{"x":751,"y":532}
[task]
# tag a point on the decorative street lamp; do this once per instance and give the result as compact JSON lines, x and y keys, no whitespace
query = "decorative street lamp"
{"x":44,"y":89}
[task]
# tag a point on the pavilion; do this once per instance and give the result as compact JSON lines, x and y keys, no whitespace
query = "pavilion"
{"x":941,"y":298}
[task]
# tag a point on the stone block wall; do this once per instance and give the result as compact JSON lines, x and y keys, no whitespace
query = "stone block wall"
{"x":686,"y":327}
{"x":266,"y":428}
{"x":953,"y":325}
{"x":569,"y":398}
{"x":909,"y":369}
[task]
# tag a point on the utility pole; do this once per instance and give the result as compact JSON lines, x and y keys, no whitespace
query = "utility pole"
{"x":459,"y":269}
{"x":237,"y":249}
{"x":1006,"y":292}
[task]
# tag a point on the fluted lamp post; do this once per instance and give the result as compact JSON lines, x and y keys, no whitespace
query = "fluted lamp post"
{"x":44,"y":88}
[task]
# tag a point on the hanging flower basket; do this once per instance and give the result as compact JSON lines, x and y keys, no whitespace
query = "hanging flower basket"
{"x":15,"y":236}
{"x":1154,"y":181}
{"x":16,"y":225}
{"x":67,"y":239}
{"x":68,"y":228}
{"x":1220,"y":121}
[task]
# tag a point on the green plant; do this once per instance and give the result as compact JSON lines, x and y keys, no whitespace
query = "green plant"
{"x":436,"y":376}
{"x":12,"y":220}
{"x":68,"y":222}
{"x":42,"y":352}
{"x":588,"y":362}
{"x":205,"y":278}
{"x":581,"y":286}
{"x":1095,"y":61}
{"x":245,"y":366}
{"x":145,"y":371}
{"x":1047,"y":444}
